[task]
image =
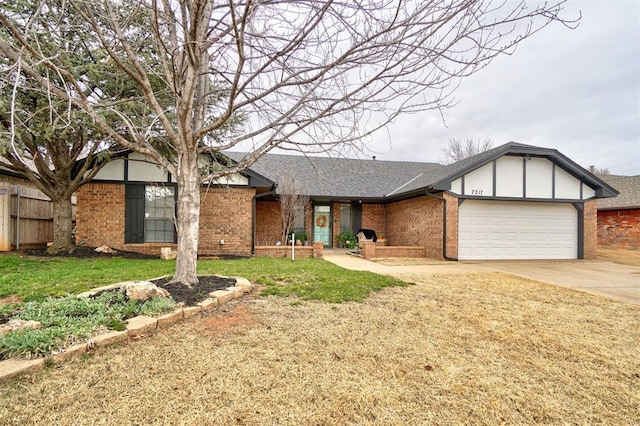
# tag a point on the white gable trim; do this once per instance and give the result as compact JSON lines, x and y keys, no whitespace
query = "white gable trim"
{"x":136,"y":167}
{"x":521,"y":177}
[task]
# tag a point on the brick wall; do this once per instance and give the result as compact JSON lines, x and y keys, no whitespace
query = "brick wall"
{"x":335,"y":224}
{"x":452,"y":225}
{"x":225,"y":214}
{"x":268,"y":223}
{"x":100,"y":215}
{"x":301,"y":252}
{"x":590,"y":229}
{"x":415,"y":222}
{"x":371,"y":250}
{"x":619,"y":228}
{"x":373,"y":217}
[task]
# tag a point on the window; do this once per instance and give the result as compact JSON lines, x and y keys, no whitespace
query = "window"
{"x":159,"y":207}
{"x":149,"y":214}
{"x":345,"y":217}
{"x":298,"y":222}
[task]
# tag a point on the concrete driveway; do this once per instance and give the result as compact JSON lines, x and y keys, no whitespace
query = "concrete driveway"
{"x":619,"y":282}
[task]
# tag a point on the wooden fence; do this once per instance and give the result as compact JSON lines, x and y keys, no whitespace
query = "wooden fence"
{"x":26,"y":217}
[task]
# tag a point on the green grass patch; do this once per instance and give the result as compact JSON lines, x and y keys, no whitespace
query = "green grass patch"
{"x":309,"y":279}
{"x":33,"y":278}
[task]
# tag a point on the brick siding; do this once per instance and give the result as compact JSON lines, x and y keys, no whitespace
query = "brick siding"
{"x":590,"y":230}
{"x":335,"y":224}
{"x":371,"y":250}
{"x":268,"y":223}
{"x":225,"y":214}
{"x":373,"y":217}
{"x":100,"y":215}
{"x":619,"y":228}
{"x":301,"y":252}
{"x":452,"y":225}
{"x":416,"y":222}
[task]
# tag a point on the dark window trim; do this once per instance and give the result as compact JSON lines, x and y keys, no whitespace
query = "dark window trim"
{"x":134,"y":232}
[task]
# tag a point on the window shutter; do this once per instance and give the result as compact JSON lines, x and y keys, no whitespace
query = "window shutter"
{"x":134,"y":214}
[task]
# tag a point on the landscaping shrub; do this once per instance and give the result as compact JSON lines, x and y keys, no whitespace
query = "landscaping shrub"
{"x":69,"y":319}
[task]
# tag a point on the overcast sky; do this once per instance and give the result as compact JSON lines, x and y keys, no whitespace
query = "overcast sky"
{"x":577,"y":91}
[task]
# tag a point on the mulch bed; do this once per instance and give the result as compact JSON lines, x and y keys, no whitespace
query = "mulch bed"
{"x":89,"y":253}
{"x":190,"y":296}
{"x":82,"y":252}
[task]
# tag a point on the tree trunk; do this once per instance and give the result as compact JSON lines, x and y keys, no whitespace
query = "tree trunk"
{"x":188,"y":221}
{"x":62,"y":227}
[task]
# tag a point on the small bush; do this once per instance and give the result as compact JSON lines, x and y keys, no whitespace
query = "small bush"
{"x":9,"y":309}
{"x":69,"y":319}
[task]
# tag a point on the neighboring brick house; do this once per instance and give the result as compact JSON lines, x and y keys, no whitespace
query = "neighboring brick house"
{"x":512,"y":202}
{"x":619,"y":218}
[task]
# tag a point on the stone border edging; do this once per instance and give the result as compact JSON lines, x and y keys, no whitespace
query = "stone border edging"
{"x":136,"y":327}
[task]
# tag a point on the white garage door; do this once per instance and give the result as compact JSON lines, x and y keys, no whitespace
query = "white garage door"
{"x":517,"y":230}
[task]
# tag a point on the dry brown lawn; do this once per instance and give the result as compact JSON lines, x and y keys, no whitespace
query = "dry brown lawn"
{"x":624,"y":257}
{"x":454,"y":349}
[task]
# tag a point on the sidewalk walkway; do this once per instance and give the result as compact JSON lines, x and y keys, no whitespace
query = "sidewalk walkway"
{"x":619,"y":282}
{"x":356,"y":263}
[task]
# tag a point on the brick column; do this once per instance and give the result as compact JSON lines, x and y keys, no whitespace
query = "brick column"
{"x":318,"y":250}
{"x":368,"y":249}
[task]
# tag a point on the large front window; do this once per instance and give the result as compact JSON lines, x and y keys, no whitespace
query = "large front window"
{"x":149,"y":214}
{"x":159,"y":208}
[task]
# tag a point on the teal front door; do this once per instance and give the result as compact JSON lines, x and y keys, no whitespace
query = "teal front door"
{"x":322,"y":225}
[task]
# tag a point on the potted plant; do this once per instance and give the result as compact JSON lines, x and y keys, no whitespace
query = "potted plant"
{"x":346,"y":239}
{"x":349,"y":239}
{"x":301,"y":237}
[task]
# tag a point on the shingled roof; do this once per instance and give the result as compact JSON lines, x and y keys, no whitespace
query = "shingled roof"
{"x":629,"y":197}
{"x":341,"y":177}
{"x":347,"y":178}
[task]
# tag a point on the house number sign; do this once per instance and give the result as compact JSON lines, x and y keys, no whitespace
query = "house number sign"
{"x":476,"y":192}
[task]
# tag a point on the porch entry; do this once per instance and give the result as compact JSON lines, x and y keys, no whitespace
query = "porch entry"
{"x":322,"y":224}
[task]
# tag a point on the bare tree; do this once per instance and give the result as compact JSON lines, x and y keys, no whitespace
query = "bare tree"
{"x":599,"y":170}
{"x":459,"y":149}
{"x":292,"y":203}
{"x":311,"y":75}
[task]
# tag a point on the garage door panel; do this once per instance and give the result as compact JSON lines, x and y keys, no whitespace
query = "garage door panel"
{"x":517,"y":230}
{"x":511,"y":236}
{"x":480,"y":220}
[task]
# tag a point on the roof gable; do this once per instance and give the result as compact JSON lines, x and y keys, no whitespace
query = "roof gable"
{"x":463,"y":167}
